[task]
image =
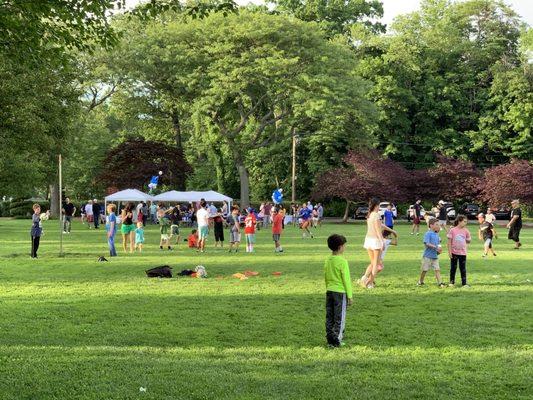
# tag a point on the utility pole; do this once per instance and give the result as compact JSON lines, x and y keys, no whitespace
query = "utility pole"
{"x":294,"y":139}
{"x":60,"y":207}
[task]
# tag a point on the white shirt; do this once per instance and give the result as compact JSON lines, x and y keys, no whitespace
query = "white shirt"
{"x":386,"y":244}
{"x":89,"y":209}
{"x":490,"y":218}
{"x":202,"y":216}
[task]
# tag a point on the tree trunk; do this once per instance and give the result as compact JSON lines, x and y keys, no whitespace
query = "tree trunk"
{"x":54,"y":199}
{"x":245,"y":186}
{"x":346,"y":212}
{"x":177,"y":130}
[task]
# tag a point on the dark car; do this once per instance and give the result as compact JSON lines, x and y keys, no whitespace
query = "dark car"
{"x":470,"y":210}
{"x":360,"y":212}
{"x":501,"y":213}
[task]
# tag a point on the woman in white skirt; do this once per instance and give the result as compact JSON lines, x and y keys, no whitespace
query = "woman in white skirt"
{"x":373,"y":241}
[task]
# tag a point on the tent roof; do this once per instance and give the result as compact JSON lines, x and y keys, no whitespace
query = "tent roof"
{"x":191,"y":196}
{"x":129,"y":195}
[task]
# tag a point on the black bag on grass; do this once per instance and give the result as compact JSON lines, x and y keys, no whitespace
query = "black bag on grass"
{"x":163,"y":271}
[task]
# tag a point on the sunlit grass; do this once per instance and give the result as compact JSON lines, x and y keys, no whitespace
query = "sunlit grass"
{"x":75,"y":328}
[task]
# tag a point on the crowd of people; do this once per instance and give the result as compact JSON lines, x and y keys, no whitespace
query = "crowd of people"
{"x":380,"y":235}
{"x":206,"y":218}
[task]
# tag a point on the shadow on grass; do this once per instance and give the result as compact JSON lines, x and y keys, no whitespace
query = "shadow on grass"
{"x":454,"y":318}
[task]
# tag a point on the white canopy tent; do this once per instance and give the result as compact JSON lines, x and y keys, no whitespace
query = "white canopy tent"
{"x":127,"y":195}
{"x":192,"y":196}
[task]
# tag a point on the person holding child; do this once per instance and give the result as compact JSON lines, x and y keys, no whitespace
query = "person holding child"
{"x":458,"y":239}
{"x":338,"y":290}
{"x":432,"y":249}
{"x":111,"y":228}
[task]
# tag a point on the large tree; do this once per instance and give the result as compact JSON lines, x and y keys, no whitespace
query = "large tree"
{"x":506,"y":182}
{"x":245,"y":80}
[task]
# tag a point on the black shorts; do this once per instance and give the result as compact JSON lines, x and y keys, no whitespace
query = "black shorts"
{"x":514,"y":233}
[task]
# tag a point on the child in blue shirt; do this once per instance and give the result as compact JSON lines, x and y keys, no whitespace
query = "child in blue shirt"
{"x":430,"y":257}
{"x":111,"y":228}
{"x":139,"y":237}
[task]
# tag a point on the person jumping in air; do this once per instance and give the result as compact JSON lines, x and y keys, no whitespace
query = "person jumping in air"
{"x":432,"y":249}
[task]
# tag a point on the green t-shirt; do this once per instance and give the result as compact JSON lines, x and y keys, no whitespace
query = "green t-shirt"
{"x":164,"y":223}
{"x":337,"y":274}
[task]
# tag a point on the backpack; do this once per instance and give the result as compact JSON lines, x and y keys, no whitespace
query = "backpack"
{"x":163,"y":271}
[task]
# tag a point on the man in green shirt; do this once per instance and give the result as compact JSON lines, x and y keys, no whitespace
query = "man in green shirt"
{"x":338,"y":290}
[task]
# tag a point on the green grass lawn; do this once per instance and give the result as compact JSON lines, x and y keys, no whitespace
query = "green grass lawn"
{"x":73,"y":328}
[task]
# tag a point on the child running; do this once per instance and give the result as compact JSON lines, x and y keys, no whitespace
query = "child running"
{"x":277,"y":227}
{"x":486,"y":233}
{"x":458,"y":238}
{"x":338,"y":290}
{"x":139,"y":237}
{"x":430,"y":257}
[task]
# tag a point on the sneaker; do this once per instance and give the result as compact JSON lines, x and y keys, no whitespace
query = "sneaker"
{"x":65,"y":232}
{"x":312,"y":237}
{"x":451,"y":285}
{"x":418,"y":233}
{"x":441,"y":285}
{"x":466,"y":286}
{"x":484,"y":255}
{"x":363,"y":281}
{"x":412,"y":233}
{"x":420,"y":283}
{"x":371,"y":286}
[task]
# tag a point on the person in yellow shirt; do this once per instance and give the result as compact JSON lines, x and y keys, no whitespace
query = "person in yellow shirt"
{"x":338,"y":290}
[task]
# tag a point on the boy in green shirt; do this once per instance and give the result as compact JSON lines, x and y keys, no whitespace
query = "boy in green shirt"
{"x":338,"y":290}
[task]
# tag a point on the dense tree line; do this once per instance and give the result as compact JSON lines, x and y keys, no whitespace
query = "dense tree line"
{"x":229,"y":89}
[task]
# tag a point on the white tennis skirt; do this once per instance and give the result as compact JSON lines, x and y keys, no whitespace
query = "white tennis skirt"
{"x":373,"y":243}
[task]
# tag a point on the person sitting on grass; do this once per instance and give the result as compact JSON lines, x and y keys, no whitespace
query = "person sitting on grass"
{"x":139,"y":237}
{"x":430,"y":257}
{"x":192,"y":240}
{"x":338,"y":290}
{"x":486,"y":233}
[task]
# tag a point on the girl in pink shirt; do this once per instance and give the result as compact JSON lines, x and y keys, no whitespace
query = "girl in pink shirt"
{"x":458,"y":238}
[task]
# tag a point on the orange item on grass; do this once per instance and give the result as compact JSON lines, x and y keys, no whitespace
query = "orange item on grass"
{"x":240,"y":276}
{"x":277,"y":273}
{"x":193,"y":275}
{"x":251,"y":273}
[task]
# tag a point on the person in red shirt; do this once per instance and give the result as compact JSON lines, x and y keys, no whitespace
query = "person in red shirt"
{"x":277,"y":226}
{"x":249,"y":230}
{"x":193,"y":239}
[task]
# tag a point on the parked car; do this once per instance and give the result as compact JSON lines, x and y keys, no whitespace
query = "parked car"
{"x":411,"y":211}
{"x":501,"y":213}
{"x":383,"y":206}
{"x":471,"y":210}
{"x":361,"y":212}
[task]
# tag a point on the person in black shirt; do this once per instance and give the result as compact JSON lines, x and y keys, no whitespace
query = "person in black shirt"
{"x":515,"y":224}
{"x":417,"y":214}
{"x":443,"y":216}
{"x":486,"y":233}
{"x":68,"y":212}
{"x":97,"y":210}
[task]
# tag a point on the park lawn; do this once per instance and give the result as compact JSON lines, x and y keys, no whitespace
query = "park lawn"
{"x":73,"y":328}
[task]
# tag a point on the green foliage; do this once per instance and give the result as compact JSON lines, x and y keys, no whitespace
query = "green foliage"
{"x":22,"y":209}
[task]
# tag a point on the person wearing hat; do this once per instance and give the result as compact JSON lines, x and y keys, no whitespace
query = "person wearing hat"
{"x":486,"y":233}
{"x":515,"y":224}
